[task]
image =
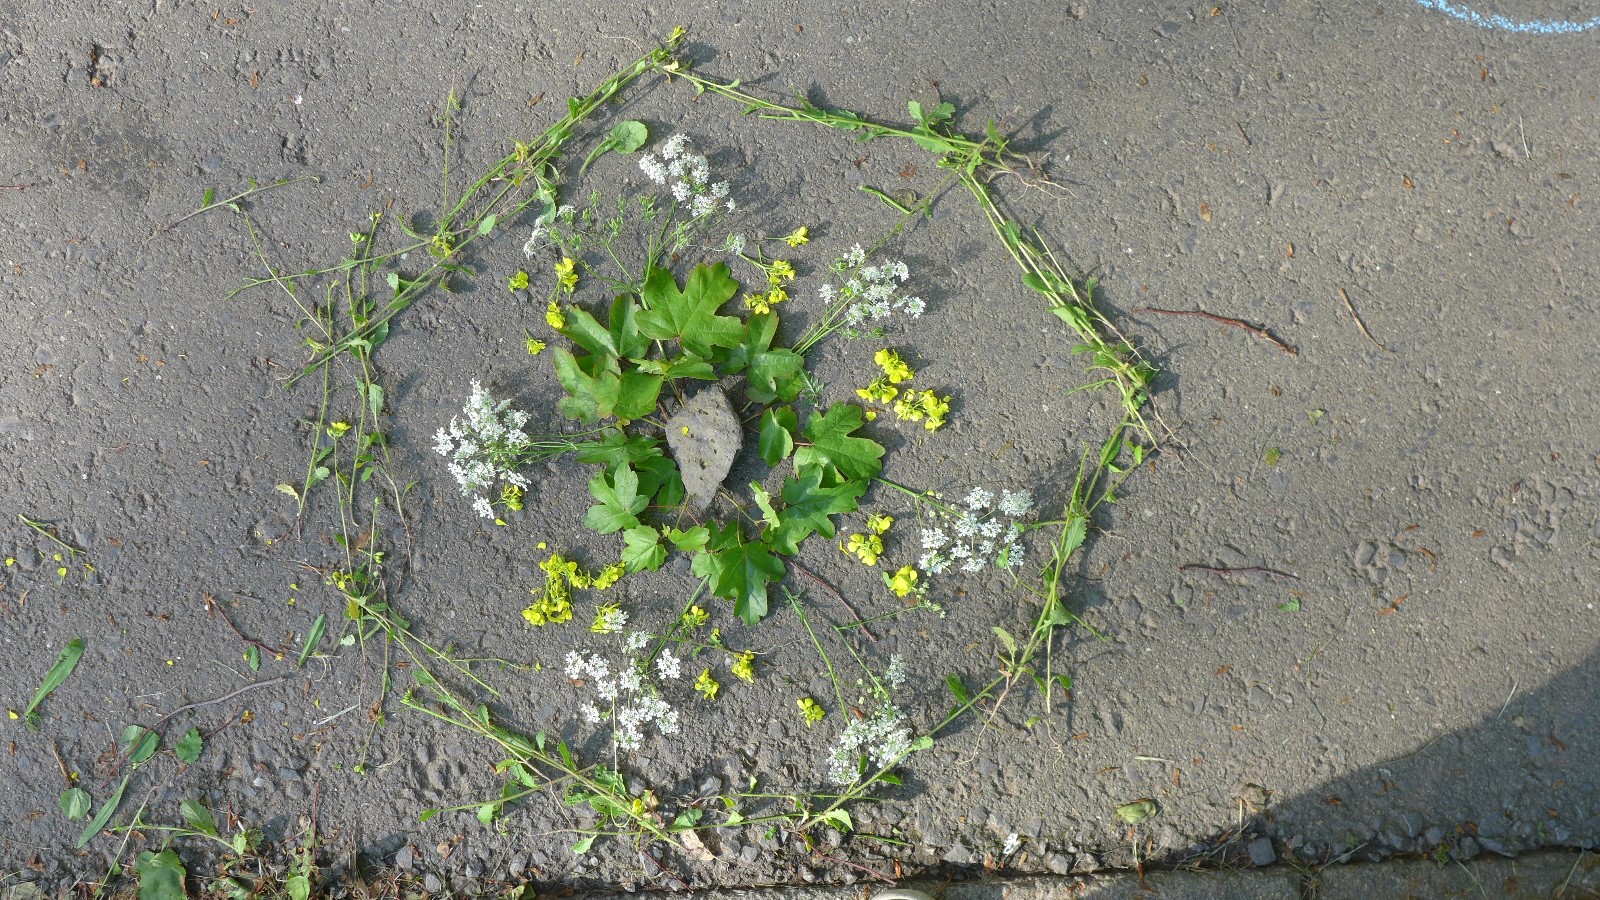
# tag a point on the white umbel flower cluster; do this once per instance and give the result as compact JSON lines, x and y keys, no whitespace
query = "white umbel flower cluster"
{"x":628,"y":700}
{"x":872,"y":292}
{"x":977,"y":536}
{"x":688,"y":176}
{"x":883,"y":738}
{"x":484,"y":445}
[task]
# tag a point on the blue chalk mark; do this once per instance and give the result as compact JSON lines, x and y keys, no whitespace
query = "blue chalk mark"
{"x":1518,"y":26}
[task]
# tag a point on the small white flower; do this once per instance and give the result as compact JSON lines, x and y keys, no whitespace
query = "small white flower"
{"x":735,"y":244}
{"x":576,"y":664}
{"x":611,"y":621}
{"x":934,"y":538}
{"x":681,"y":192}
{"x":591,"y":713}
{"x":481,"y":504}
{"x":668,"y":666}
{"x":653,"y":169}
{"x":895,"y":674}
{"x":674,"y":145}
{"x":1013,"y":844}
{"x":913,"y":307}
{"x":1016,"y":504}
{"x":636,"y":641}
{"x":978,"y":499}
{"x":534,"y":242}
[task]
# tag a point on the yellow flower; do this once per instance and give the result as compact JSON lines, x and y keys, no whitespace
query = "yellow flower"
{"x":936,"y":408}
{"x":894,"y":368}
{"x":535,"y":346}
{"x":879,"y":391}
{"x":879,"y":522}
{"x":337,"y":429}
{"x":908,"y":409}
{"x":798,"y":236}
{"x":903,"y":582}
{"x":694,"y":618}
{"x":511,"y":496}
{"x":567,"y":272}
{"x":778,"y":271}
{"x":554,"y":315}
{"x":707,"y":685}
{"x":812,"y":712}
{"x":744,"y":668}
{"x":865,"y":547}
{"x":608,"y":576}
{"x":518,"y":281}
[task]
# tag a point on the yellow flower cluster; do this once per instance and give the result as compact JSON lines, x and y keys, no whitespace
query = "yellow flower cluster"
{"x":813,"y":713}
{"x":706,"y":685}
{"x":925,"y":407}
{"x":778,"y":271}
{"x":902,"y":582}
{"x":764,"y":302}
{"x":567,"y":272}
{"x":894,"y":368}
{"x":561,"y":575}
{"x":744,"y":667}
{"x":511,"y":497}
{"x":911,"y":406}
{"x":865,"y":547}
{"x":555,"y":317}
{"x":799,"y":236}
{"x":694,"y":618}
{"x":869,"y":546}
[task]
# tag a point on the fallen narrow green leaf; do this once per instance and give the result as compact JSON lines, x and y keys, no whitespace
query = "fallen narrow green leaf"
{"x":53,"y":679}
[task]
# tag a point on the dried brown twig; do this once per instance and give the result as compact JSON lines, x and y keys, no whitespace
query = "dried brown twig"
{"x":1259,"y":332}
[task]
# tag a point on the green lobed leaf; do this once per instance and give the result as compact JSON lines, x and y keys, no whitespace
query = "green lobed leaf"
{"x":642,"y":549}
{"x":624,"y":327}
{"x":776,"y":442}
{"x":739,"y":572}
{"x":855,"y":458}
{"x":770,"y":374}
{"x":160,"y":876}
{"x":190,"y":746}
{"x":628,"y":136}
{"x":637,"y":394}
{"x":692,"y":541}
{"x":690,"y":315}
{"x":620,"y":501}
{"x":808,"y":506}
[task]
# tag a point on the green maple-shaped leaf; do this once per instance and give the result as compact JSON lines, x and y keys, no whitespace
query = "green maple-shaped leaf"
{"x":778,"y":426}
{"x":769,"y":374}
{"x":642,"y":549}
{"x":739,"y":571}
{"x":808,"y":506}
{"x":620,"y":501}
{"x":690,"y":315}
{"x":853,"y":458}
{"x":591,"y":394}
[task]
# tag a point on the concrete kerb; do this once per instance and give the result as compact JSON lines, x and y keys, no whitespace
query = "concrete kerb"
{"x":1564,"y":874}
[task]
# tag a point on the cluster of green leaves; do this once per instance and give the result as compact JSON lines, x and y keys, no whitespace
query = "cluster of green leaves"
{"x":668,"y":332}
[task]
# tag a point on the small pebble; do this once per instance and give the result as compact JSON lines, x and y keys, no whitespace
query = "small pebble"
{"x":1261,"y":852}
